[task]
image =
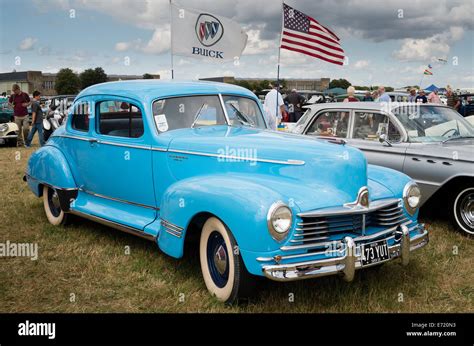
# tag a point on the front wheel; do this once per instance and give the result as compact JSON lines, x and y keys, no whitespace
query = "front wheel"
{"x":222,"y":267}
{"x":13,"y":142}
{"x":52,"y":208}
{"x":463,"y":210}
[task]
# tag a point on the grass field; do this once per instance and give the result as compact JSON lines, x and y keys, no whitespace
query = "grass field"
{"x":84,"y":268}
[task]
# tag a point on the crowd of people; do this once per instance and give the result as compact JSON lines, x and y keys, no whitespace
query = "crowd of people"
{"x":280,"y":109}
{"x":20,"y":101}
{"x":277,"y":108}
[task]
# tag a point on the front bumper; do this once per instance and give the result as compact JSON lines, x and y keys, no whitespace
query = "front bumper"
{"x":351,"y":261}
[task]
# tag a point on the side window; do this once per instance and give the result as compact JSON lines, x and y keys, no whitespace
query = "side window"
{"x":370,"y":126}
{"x":333,"y":124}
{"x":120,"y":119}
{"x":80,"y":116}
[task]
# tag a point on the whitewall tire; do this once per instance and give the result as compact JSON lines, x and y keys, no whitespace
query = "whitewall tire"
{"x":463,"y":210}
{"x":222,"y":268}
{"x":52,"y":208}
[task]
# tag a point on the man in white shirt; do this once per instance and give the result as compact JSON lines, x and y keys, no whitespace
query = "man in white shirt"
{"x":274,"y":107}
{"x":383,"y":96}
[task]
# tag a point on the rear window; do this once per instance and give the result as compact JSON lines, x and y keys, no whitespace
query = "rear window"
{"x":120,"y":119}
{"x":80,"y":116}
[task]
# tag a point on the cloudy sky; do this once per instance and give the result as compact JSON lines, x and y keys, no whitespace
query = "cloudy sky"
{"x":387,"y":42}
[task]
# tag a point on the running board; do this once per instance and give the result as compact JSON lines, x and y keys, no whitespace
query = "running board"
{"x":116,"y":225}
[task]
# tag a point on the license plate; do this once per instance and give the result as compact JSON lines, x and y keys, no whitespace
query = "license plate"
{"x":375,"y":252}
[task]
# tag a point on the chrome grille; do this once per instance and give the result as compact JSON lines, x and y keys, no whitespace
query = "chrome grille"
{"x":320,"y":229}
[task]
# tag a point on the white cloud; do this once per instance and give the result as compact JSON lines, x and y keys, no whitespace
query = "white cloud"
{"x":159,"y":43}
{"x":256,"y":45}
{"x":361,"y":64}
{"x":28,"y":43}
{"x":429,"y":49}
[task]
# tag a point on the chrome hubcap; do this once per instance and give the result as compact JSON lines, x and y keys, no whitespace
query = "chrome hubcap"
{"x":55,"y":200}
{"x":467,"y":209}
{"x":220,"y":260}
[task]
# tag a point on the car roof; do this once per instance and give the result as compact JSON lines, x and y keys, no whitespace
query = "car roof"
{"x":147,"y":90}
{"x":379,"y":106}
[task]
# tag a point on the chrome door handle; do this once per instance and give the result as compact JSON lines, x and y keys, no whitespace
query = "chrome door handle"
{"x":92,"y":140}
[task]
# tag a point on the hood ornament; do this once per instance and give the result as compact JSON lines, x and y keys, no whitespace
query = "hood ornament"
{"x":362,"y":200}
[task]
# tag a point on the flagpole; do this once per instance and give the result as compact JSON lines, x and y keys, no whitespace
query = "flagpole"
{"x":279,"y":55}
{"x":171,"y":40}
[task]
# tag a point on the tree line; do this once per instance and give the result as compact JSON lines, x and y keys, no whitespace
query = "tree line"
{"x":70,"y":83}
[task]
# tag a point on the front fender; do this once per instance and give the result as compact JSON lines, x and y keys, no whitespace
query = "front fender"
{"x":242,"y":204}
{"x":48,"y":166}
{"x":388,"y":183}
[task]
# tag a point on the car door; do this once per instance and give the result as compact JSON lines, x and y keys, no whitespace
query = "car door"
{"x":114,"y":163}
{"x":366,"y":129}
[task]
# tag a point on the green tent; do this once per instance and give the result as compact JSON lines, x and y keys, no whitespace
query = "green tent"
{"x":335,"y":91}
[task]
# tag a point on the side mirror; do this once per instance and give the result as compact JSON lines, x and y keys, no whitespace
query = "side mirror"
{"x":383,"y":139}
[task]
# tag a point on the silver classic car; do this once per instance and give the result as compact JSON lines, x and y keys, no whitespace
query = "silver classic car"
{"x":431,"y":143}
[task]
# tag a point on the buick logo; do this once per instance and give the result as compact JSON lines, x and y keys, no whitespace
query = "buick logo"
{"x":209,"y":29}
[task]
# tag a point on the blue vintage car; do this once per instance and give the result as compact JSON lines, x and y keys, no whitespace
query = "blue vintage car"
{"x":188,"y":164}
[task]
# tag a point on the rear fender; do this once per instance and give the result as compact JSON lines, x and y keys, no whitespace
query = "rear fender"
{"x":48,"y":166}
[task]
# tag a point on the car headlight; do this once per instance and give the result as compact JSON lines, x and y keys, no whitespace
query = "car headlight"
{"x":3,"y":127}
{"x":279,"y":219}
{"x":411,"y":197}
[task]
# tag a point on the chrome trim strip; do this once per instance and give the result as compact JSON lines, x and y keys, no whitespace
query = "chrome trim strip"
{"x":51,"y":186}
{"x":113,"y":224}
{"x":306,"y":254}
{"x":304,"y":240}
{"x":159,"y":149}
{"x":72,"y":137}
{"x":134,"y":146}
{"x":99,"y":141}
{"x":381,"y":233}
{"x":118,"y":199}
{"x":171,"y":225}
{"x":177,"y":235}
{"x":172,"y":229}
{"x":244,"y":159}
{"x":309,"y":246}
{"x":333,"y":211}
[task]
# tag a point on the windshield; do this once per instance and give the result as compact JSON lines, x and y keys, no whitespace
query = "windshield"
{"x":299,"y":127}
{"x":243,"y":111}
{"x":433,"y":123}
{"x":188,"y":111}
{"x":206,"y":110}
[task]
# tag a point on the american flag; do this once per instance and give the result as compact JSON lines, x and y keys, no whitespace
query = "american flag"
{"x":304,"y":34}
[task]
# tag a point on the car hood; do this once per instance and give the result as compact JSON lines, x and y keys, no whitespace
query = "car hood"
{"x":298,"y":161}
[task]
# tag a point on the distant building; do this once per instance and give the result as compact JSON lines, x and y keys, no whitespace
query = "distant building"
{"x":30,"y":81}
{"x":319,"y":84}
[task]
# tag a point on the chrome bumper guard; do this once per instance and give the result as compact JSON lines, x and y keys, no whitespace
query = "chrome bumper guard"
{"x":350,"y":262}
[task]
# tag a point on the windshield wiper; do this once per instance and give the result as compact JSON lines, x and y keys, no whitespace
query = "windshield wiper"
{"x":457,"y":137}
{"x":242,"y":117}
{"x":198,"y":114}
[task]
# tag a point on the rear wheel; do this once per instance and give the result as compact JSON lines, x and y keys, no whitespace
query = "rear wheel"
{"x":222,"y":267}
{"x":463,"y":210}
{"x":56,"y":216}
